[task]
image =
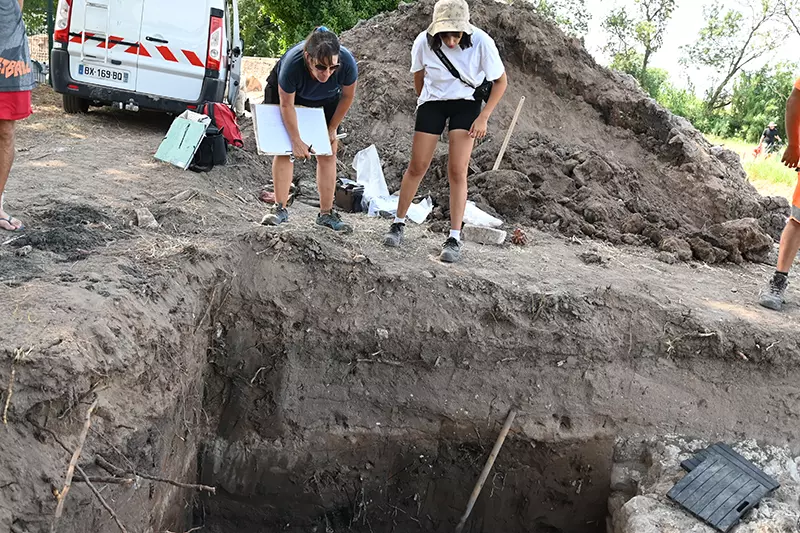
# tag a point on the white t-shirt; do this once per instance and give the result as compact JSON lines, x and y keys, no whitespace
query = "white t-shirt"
{"x":479,"y":62}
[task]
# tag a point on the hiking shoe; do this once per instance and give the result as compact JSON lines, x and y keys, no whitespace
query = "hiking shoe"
{"x":773,"y":296}
{"x":277,"y":218}
{"x":333,"y":221}
{"x":451,"y":251}
{"x":394,"y":237}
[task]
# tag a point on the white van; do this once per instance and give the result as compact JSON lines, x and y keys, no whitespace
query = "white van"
{"x":146,"y":54}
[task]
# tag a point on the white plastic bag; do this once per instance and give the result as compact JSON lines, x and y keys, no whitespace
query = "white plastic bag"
{"x":476,"y":217}
{"x":417,"y":213}
{"x":369,"y":173}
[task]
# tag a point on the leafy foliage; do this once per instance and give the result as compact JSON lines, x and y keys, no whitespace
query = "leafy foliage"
{"x":270,"y":27}
{"x":35,"y":16}
{"x":570,"y":15}
{"x":634,"y":38}
{"x":730,"y":41}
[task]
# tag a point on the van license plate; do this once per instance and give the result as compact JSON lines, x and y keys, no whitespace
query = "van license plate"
{"x":102,"y":73}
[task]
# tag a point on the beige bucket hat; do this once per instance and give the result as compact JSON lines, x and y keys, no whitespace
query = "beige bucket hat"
{"x":450,"y":15}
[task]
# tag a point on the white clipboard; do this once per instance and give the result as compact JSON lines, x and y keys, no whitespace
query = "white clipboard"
{"x":273,"y":139}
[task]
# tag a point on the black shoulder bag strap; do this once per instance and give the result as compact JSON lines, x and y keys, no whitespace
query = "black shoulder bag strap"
{"x":453,"y":70}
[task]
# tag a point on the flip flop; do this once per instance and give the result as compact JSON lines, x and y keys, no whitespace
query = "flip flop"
{"x":10,"y":220}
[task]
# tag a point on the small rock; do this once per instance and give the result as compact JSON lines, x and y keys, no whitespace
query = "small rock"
{"x":382,"y":333}
{"x":360,"y":258}
{"x":677,"y":246}
{"x":595,"y":212}
{"x":707,"y":253}
{"x":520,"y":238}
{"x":483,"y":235}
{"x":591,"y":258}
{"x":652,"y":232}
{"x":667,"y":257}
{"x":426,"y":274}
{"x":744,"y":238}
{"x":630,"y":239}
{"x":145,"y":219}
{"x":24,"y":251}
{"x":94,"y":277}
{"x":634,"y":224}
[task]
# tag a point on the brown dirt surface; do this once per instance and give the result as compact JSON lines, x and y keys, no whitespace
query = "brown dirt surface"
{"x":591,"y":153}
{"x":320,"y":379}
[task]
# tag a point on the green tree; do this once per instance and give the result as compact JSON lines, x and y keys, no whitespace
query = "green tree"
{"x":759,"y":98}
{"x":35,"y":16}
{"x":684,"y":103}
{"x":641,"y":34}
{"x":730,"y":41}
{"x":270,"y":27}
{"x":570,"y":15}
{"x":260,"y":34}
{"x":651,"y":81}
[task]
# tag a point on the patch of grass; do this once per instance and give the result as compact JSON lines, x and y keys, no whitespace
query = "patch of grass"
{"x":769,"y":176}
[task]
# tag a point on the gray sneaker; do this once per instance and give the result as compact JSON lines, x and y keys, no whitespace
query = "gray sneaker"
{"x":773,"y":295}
{"x":334,"y":221}
{"x":451,"y":251}
{"x":277,"y":218}
{"x":394,"y":238}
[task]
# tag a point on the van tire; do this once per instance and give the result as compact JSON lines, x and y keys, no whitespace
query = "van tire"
{"x":75,"y":104}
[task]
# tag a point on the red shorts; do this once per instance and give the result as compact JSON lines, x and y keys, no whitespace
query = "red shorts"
{"x":15,"y":105}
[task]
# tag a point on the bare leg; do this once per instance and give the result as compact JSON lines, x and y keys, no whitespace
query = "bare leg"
{"x":282,"y":170}
{"x":790,"y":245}
{"x":457,"y":166}
{"x":326,"y":180}
{"x":6,"y":160}
{"x":422,"y":149}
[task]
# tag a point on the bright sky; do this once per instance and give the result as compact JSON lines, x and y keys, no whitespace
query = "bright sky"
{"x":684,"y":27}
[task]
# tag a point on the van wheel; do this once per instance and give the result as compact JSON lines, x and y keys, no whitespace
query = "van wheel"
{"x":74,"y":104}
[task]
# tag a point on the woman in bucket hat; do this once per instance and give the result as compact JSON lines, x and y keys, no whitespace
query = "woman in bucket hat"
{"x":456,"y":68}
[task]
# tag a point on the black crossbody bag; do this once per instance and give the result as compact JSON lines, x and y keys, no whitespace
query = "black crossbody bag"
{"x":482,"y":92}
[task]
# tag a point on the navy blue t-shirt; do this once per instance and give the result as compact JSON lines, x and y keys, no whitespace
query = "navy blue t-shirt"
{"x":294,"y":77}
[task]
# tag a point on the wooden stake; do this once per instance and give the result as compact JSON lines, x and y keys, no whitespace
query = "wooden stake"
{"x":508,"y":135}
{"x":62,"y":496}
{"x":488,"y":467}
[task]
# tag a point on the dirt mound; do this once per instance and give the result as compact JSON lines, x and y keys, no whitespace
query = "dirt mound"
{"x":592,"y":154}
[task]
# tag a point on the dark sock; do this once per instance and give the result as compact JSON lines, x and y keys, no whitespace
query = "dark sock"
{"x":784,"y":274}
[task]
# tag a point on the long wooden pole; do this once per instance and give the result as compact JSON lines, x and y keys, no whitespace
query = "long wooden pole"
{"x":487,"y":468}
{"x":508,"y":135}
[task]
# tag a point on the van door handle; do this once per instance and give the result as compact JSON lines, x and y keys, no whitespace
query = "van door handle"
{"x":157,"y":40}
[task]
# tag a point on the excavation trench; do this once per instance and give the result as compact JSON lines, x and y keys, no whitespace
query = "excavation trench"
{"x":341,"y":396}
{"x":351,"y":424}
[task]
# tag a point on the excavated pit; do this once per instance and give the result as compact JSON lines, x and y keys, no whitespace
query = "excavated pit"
{"x":340,"y":424}
{"x":325,"y":414}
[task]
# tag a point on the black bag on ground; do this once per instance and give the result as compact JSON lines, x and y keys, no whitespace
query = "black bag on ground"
{"x":213,"y":151}
{"x":349,"y":196}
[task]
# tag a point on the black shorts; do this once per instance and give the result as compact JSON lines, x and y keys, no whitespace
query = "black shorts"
{"x":432,"y":116}
{"x":271,"y":96}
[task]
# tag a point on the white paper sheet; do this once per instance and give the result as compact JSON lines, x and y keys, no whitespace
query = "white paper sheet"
{"x":271,"y":135}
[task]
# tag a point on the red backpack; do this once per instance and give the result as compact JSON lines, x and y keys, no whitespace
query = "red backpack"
{"x":224,"y":118}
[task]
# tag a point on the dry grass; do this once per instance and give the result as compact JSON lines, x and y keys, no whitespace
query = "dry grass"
{"x":769,"y":176}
